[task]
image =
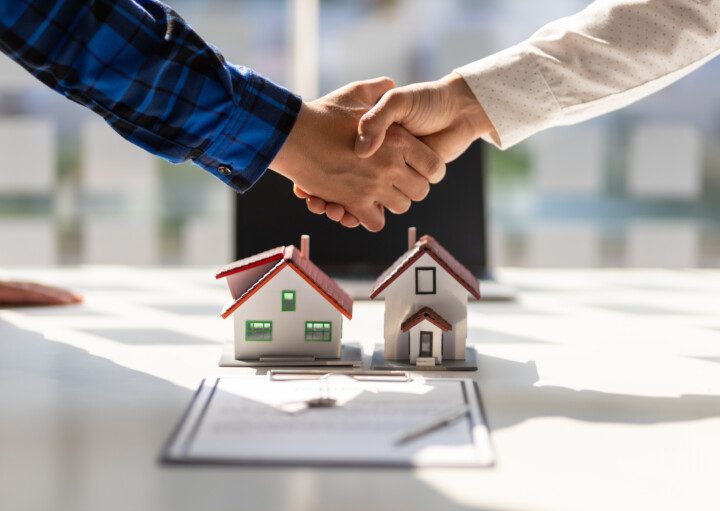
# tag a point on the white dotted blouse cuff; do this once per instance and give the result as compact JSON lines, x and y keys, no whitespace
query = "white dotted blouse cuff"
{"x":513,"y":93}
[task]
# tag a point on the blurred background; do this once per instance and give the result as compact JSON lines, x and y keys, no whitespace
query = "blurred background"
{"x":640,"y":187}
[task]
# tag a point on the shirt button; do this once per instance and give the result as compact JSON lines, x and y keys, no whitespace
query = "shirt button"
{"x":224,"y":170}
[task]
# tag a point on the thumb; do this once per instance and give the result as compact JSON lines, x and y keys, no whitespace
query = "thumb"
{"x":393,"y":107}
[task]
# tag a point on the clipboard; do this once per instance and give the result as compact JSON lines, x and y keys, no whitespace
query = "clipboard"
{"x":249,"y":420}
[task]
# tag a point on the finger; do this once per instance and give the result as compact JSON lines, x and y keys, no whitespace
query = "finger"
{"x":424,"y":160}
{"x":396,"y":201}
{"x":449,"y":144}
{"x":300,"y":193}
{"x":392,"y":108}
{"x":334,"y":212}
{"x":349,"y":221}
{"x":374,"y":89}
{"x":372,"y":217}
{"x":28,"y":293}
{"x":316,"y":205}
{"x":411,"y":184}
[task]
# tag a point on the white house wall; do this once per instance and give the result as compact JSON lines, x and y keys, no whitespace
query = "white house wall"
{"x":450,"y":301}
{"x":288,"y":328}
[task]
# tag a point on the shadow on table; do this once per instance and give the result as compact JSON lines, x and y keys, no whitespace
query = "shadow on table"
{"x":515,"y":399}
{"x":82,"y":432}
{"x":74,"y":310}
{"x":147,"y":336}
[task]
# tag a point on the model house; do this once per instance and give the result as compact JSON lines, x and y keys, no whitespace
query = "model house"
{"x":426,"y":292}
{"x":283,"y":306}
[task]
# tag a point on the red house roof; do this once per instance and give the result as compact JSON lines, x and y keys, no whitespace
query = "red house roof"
{"x":428,"y":245}
{"x":423,"y":314}
{"x":287,"y":256}
{"x":274,"y":254}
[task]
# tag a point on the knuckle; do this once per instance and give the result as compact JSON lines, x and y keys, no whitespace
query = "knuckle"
{"x":390,"y":166}
{"x":393,"y":97}
{"x":386,"y":81}
{"x":365,"y":188}
{"x":394,"y":137}
{"x":372,"y":188}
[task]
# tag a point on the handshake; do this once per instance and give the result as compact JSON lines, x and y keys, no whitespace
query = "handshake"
{"x":369,"y":146}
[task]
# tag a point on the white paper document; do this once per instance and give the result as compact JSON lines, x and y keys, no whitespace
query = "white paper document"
{"x":256,"y":420}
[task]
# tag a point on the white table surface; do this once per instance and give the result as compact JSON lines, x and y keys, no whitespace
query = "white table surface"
{"x":602,"y":390}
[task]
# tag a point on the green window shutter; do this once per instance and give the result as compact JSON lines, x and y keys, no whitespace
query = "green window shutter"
{"x":318,"y":331}
{"x":287,"y":298}
{"x":258,"y":331}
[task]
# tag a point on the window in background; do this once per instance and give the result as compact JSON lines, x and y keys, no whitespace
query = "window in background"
{"x":640,"y":187}
{"x":72,"y":191}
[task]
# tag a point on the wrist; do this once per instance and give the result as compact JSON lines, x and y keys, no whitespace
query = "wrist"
{"x":466,"y":106}
{"x":288,"y":160}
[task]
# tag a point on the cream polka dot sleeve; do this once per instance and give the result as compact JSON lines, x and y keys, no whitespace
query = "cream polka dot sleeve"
{"x":603,"y":58}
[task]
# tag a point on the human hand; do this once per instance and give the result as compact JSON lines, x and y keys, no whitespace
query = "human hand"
{"x":444,"y":113}
{"x":318,"y":157}
{"x":29,"y":293}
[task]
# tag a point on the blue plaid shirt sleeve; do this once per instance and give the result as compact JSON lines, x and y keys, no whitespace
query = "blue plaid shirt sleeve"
{"x":154,"y":80}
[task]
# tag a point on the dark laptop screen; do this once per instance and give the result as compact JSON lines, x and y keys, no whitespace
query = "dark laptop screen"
{"x":270,"y":215}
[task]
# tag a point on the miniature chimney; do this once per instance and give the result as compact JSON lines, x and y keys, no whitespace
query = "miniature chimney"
{"x":305,"y":246}
{"x":412,"y":237}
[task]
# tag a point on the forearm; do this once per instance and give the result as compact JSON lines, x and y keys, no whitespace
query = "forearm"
{"x":154,"y":80}
{"x":605,"y":57}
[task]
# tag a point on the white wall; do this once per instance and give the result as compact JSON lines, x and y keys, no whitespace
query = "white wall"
{"x":27,"y":156}
{"x":564,"y":244}
{"x":208,"y":240}
{"x":288,"y":335}
{"x":121,"y":240}
{"x":662,"y":243}
{"x":113,"y":167}
{"x":665,"y":161}
{"x":28,"y":241}
{"x":569,"y":160}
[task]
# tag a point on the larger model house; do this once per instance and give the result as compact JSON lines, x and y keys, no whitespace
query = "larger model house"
{"x":283,"y":305}
{"x":425,"y":292}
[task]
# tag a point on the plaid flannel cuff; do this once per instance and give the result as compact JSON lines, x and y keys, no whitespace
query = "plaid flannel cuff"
{"x":261,"y":121}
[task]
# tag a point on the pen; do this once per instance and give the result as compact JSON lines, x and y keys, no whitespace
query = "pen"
{"x":432,"y":426}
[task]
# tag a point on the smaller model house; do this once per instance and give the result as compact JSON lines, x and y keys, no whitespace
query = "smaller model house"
{"x":284,"y":306}
{"x":425,"y":292}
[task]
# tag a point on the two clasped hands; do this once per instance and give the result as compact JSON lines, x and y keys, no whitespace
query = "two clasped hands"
{"x":370,"y":146}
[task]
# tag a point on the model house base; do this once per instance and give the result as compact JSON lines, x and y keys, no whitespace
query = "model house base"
{"x":350,"y":356}
{"x":379,"y":362}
